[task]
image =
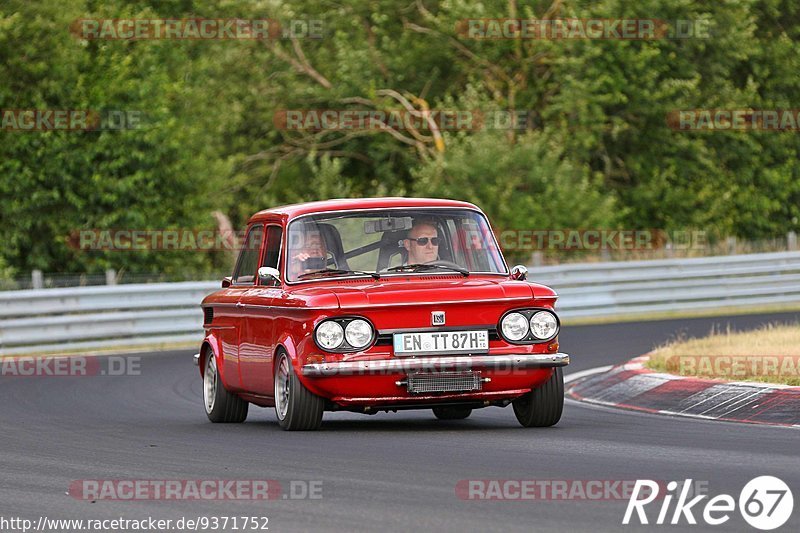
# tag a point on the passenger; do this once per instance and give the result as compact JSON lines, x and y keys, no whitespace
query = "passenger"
{"x":310,"y":254}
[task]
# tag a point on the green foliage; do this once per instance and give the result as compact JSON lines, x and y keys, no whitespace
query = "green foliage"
{"x":529,"y":185}
{"x":54,"y":183}
{"x":597,"y":153}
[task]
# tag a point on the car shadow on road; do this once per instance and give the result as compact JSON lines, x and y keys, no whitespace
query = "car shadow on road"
{"x":406,"y":422}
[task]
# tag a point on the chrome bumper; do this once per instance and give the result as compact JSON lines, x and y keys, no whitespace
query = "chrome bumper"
{"x":196,"y":358}
{"x":507,"y":362}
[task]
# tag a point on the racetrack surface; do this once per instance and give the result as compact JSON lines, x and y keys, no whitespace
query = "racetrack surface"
{"x":387,"y":472}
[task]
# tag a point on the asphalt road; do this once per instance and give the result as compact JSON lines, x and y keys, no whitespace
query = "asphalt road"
{"x":387,"y":472}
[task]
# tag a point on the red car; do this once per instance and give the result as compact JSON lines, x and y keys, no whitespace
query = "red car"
{"x":379,"y":304}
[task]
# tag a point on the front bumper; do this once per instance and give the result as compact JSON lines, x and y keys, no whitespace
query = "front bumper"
{"x":505,"y":362}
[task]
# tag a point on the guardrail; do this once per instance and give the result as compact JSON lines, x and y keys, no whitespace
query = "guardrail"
{"x":48,"y":320}
{"x":635,"y":287}
{"x":55,"y":320}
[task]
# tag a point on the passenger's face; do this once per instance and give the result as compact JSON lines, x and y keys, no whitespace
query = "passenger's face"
{"x":422,"y":253}
{"x":312,"y":246}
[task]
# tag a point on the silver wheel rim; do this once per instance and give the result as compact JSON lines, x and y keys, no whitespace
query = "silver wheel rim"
{"x":210,"y":383}
{"x":282,"y":388}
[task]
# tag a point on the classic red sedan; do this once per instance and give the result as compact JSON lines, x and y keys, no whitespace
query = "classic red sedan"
{"x":379,"y":304}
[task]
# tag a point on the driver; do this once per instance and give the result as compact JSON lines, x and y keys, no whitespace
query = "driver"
{"x":422,"y":243}
{"x":309,"y":255}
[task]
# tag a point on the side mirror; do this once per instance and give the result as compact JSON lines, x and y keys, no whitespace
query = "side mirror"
{"x":266,"y":275}
{"x":519,"y":273}
{"x":226,"y":282}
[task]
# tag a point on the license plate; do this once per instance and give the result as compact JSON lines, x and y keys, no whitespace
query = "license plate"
{"x":439,"y":342}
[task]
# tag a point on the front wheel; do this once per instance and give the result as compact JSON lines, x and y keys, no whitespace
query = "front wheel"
{"x":297,"y":408}
{"x":542,"y":406}
{"x":221,"y":405}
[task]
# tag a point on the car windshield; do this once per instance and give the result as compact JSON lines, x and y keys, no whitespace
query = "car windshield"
{"x":389,"y":242}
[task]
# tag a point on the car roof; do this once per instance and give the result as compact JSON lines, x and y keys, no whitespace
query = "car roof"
{"x":343,"y":204}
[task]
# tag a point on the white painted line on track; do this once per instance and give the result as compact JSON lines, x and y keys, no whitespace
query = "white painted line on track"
{"x":584,"y":373}
{"x":613,"y":408}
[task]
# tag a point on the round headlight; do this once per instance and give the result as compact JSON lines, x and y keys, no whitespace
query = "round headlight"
{"x":544,"y":325}
{"x":514,"y":326}
{"x":358,"y":333}
{"x":329,"y":335}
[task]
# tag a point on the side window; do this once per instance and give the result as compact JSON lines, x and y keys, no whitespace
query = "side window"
{"x":248,"y":258}
{"x":474,"y":248}
{"x":272,"y":250}
{"x":459,"y":255}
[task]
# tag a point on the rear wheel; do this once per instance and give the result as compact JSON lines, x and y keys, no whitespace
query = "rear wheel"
{"x":220,"y":405}
{"x":542,"y":406}
{"x":451,"y":413}
{"x":297,"y":408}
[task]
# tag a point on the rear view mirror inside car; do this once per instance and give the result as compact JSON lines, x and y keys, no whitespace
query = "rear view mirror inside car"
{"x":387,"y":224}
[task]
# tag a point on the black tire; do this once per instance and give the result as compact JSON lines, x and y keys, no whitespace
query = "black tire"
{"x":296,"y":408}
{"x":542,"y":406}
{"x":452,"y":413}
{"x":220,"y":405}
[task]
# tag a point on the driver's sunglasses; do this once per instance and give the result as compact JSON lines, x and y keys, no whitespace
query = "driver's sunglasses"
{"x":423,"y":241}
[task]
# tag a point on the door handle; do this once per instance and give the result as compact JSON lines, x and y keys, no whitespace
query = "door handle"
{"x":239,"y":304}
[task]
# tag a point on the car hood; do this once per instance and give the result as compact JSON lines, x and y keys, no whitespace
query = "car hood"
{"x":353,"y":294}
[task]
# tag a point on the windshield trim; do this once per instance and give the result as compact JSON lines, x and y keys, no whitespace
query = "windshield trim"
{"x":285,"y":272}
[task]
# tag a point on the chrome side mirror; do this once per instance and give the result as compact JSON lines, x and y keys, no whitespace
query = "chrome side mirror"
{"x":519,"y":273}
{"x":266,"y":275}
{"x":226,"y":282}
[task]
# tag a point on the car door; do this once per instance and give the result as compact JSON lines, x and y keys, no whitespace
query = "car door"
{"x":257,"y":337}
{"x":244,"y":279}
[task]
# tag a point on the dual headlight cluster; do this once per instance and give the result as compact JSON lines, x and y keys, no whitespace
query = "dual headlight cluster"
{"x":344,"y":334}
{"x":523,"y":326}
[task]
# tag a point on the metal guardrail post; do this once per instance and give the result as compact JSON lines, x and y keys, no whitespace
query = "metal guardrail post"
{"x":37,"y":279}
{"x":731,"y":242}
{"x":111,"y":277}
{"x":791,"y":241}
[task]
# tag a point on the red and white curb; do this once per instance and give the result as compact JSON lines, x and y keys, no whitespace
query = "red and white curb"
{"x":632,"y":386}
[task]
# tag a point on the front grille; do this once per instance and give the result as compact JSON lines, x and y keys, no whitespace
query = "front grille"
{"x":208,"y":315}
{"x":444,"y":382}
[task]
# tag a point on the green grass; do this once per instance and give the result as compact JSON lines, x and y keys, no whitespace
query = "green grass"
{"x":770,"y":354}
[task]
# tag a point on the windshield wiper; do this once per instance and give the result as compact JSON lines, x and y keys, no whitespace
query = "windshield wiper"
{"x":419,"y":267}
{"x":338,"y":272}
